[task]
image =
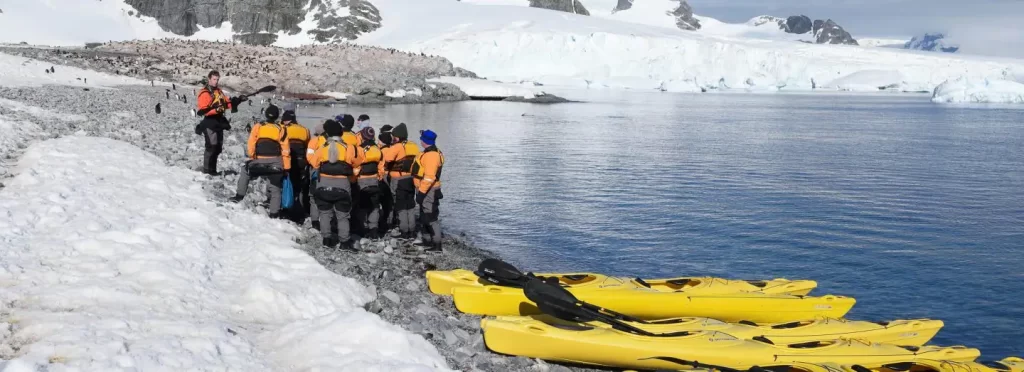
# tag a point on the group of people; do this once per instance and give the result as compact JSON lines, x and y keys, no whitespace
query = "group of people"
{"x":365,"y":183}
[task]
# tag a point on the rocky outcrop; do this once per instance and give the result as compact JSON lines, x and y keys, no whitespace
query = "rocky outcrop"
{"x":623,"y":5}
{"x":260,"y":21}
{"x":800,"y":24}
{"x":362,"y":18}
{"x":932,"y":43}
{"x":684,"y":17}
{"x":569,"y":6}
{"x":828,"y":32}
{"x":366,"y":74}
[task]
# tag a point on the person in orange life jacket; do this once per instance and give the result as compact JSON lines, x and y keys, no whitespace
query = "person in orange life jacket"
{"x":386,"y":198}
{"x":367,"y":210}
{"x":352,"y":139}
{"x":298,"y":141}
{"x":269,"y":157}
{"x":426,"y":173}
{"x":397,"y":161}
{"x":211,"y":103}
{"x":336,"y":161}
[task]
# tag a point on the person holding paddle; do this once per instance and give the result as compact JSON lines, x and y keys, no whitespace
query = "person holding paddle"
{"x":212,"y":103}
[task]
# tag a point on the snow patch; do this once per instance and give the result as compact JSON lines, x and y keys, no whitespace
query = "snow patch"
{"x":487,"y":88}
{"x":114,"y":261}
{"x":979,"y":91}
{"x":871,"y":80}
{"x":337,"y":95}
{"x":19,"y":71}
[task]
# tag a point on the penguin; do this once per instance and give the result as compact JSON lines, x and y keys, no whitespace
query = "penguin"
{"x":173,"y":86}
{"x":168,"y":93}
{"x":157,"y":108}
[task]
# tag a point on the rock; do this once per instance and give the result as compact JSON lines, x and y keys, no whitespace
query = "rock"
{"x":544,"y":98}
{"x":412,"y":286}
{"x":450,"y":338}
{"x":932,"y":43}
{"x":800,"y":24}
{"x":828,"y":32}
{"x":259,"y":21}
{"x":392,"y":296}
{"x":388,"y":249}
{"x":461,"y":72}
{"x":462,"y":334}
{"x":373,"y":307}
{"x":569,"y":6}
{"x":623,"y":5}
{"x":684,"y":17}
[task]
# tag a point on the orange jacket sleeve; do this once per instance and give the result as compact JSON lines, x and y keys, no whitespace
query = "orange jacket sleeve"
{"x":311,"y":149}
{"x":251,"y":144}
{"x":286,"y":154}
{"x":430,"y":162}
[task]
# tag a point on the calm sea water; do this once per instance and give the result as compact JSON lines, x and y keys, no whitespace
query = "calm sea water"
{"x":915,"y":209}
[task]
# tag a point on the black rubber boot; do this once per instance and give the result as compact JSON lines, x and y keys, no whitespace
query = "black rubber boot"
{"x":236,"y":198}
{"x":330,"y":242}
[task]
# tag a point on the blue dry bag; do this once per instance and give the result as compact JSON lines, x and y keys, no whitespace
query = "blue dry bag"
{"x":287,"y":194}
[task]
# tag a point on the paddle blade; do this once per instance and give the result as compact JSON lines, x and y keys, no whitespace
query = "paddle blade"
{"x":499,"y":272}
{"x":555,"y":301}
{"x":267,"y":89}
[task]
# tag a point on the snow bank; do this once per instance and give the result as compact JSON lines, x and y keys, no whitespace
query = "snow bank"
{"x":979,"y":91}
{"x":114,"y":261}
{"x":515,"y":43}
{"x":486,"y":88}
{"x":869,"y":81}
{"x":20,"y":71}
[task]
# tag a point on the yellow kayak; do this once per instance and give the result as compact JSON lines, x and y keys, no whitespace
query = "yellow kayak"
{"x":913,"y":332}
{"x":443,"y":282}
{"x":625,"y":297}
{"x":573,"y":342}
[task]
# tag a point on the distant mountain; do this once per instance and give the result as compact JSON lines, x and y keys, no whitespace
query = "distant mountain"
{"x":822,"y":32}
{"x":262,"y":22}
{"x":932,"y":42}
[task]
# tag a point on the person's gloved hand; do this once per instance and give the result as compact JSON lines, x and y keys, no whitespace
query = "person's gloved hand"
{"x":420,"y":196}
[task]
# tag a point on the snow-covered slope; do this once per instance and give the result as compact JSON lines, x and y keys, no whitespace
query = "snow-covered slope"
{"x":514,"y":43}
{"x":112,"y":260}
{"x":19,"y":71}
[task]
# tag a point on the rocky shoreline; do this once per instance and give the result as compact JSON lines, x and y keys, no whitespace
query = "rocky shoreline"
{"x":394,"y":271}
{"x":364,"y":75}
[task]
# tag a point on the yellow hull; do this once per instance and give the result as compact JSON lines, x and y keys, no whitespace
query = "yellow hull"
{"x":913,"y":332}
{"x":600,"y":346}
{"x":443,"y":282}
{"x":645,"y":303}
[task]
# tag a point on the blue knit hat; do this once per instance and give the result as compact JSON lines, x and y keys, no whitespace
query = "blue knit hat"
{"x":428,"y":137}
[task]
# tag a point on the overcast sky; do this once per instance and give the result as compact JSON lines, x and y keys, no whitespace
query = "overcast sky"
{"x":993,"y":27}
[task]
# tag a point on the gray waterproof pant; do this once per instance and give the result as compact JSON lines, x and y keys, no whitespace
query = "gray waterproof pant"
{"x":333,"y":199}
{"x":368,"y":205}
{"x":270,"y":169}
{"x":214,"y":139}
{"x":429,"y":221}
{"x":404,"y":194}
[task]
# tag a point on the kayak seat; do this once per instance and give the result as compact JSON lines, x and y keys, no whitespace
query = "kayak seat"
{"x":758,"y":283}
{"x":788,"y":325}
{"x":665,"y":321}
{"x":899,"y":367}
{"x":809,"y":345}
